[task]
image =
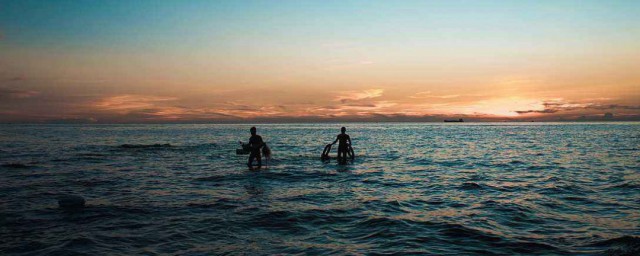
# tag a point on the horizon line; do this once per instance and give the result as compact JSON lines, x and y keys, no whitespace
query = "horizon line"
{"x":313,"y":122}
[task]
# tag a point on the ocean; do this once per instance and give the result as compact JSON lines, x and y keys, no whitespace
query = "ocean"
{"x":413,"y":188}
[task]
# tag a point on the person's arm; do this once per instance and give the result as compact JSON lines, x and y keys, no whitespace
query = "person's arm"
{"x":349,"y":139}
{"x":334,"y":142}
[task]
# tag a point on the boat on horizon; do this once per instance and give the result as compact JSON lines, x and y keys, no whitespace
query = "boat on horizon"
{"x":454,"y":121}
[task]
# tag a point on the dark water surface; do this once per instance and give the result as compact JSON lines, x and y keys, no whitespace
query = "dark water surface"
{"x":500,"y":188}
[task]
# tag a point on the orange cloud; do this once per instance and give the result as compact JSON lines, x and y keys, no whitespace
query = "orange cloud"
{"x":126,"y":103}
{"x":359,"y":95}
{"x":556,"y":106}
{"x":166,"y":108}
{"x":17,"y":93}
{"x":360,"y":105}
{"x":427,"y":94}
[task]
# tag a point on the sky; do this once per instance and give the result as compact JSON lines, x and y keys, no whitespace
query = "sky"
{"x":156,"y":61}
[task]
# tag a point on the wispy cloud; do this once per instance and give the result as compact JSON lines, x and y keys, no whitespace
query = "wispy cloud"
{"x":420,"y":95}
{"x":544,"y":111}
{"x":555,"y":106}
{"x":345,"y":97}
{"x":16,"y":93}
{"x":427,"y":94}
{"x":125,"y":103}
{"x":158,"y":108}
{"x":612,"y":106}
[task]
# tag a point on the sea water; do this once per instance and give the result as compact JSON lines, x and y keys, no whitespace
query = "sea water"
{"x":486,"y":188}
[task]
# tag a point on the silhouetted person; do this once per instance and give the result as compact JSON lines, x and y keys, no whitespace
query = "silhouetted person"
{"x":344,"y":145}
{"x":255,"y":144}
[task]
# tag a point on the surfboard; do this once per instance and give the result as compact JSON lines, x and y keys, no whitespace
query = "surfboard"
{"x":327,"y":150}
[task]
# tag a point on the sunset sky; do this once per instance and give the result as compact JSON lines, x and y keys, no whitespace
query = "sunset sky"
{"x":209,"y":61}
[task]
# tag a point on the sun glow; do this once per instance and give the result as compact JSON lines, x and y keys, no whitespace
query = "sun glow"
{"x":505,"y":107}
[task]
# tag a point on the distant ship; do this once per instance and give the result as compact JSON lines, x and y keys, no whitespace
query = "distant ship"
{"x":454,"y":121}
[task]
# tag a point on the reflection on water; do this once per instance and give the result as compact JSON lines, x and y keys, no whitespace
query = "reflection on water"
{"x":422,"y":188}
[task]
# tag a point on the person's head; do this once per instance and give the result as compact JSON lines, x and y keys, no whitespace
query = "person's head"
{"x":343,"y":129}
{"x":253,"y":130}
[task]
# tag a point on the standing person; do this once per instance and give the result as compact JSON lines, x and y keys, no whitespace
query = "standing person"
{"x":255,"y":144}
{"x":344,"y":145}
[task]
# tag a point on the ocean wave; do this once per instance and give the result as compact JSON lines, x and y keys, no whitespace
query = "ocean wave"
{"x":470,"y":186}
{"x":91,"y":154}
{"x":215,"y":178}
{"x":621,"y":246}
{"x":145,"y":146}
{"x":223,"y":204}
{"x":459,"y":231}
{"x":279,"y":221}
{"x":202,"y":146}
{"x":17,"y":166}
{"x":93,"y":182}
{"x":391,"y":207}
{"x":625,"y":185}
{"x":376,"y":230}
{"x":564,"y":188}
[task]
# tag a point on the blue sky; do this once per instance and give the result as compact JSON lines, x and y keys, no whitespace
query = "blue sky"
{"x":126,"y":23}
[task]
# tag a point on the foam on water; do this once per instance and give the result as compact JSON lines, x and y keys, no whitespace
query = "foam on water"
{"x":416,"y":188}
